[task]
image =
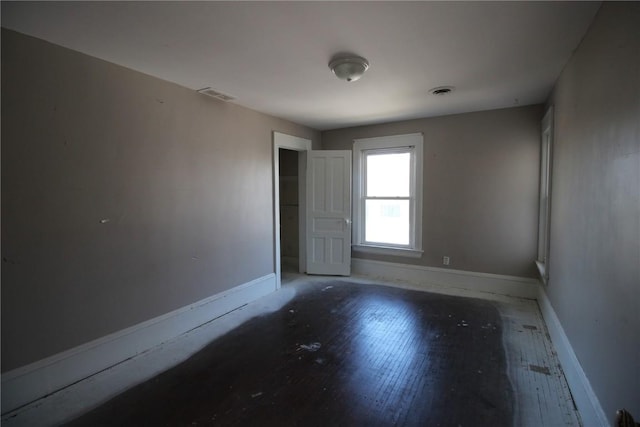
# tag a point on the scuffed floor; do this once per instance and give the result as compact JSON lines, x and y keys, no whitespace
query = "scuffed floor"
{"x":345,"y":352}
{"x":340,"y":353}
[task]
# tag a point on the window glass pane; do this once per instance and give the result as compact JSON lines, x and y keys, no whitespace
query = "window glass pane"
{"x":388,"y":175}
{"x":387,"y":221}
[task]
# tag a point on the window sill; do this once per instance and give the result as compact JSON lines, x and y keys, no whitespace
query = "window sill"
{"x":542,"y":270}
{"x":386,"y":250}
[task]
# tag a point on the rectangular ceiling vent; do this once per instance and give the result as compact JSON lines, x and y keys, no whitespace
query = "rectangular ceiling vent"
{"x":215,"y":94}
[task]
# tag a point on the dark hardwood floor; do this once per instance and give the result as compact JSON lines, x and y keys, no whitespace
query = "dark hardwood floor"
{"x":338,"y":354}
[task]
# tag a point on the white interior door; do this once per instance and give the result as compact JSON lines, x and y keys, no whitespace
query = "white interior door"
{"x":329,"y":212}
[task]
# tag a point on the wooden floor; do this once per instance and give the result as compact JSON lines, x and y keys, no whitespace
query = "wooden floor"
{"x":325,"y":351}
{"x":352,"y":354}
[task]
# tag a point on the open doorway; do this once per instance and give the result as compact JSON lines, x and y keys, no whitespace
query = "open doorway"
{"x":289,"y":211}
{"x":293,"y":182}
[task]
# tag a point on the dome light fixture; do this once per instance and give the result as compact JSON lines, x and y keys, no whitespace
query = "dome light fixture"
{"x":348,"y":67}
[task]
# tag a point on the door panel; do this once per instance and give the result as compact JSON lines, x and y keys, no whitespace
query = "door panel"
{"x":329,"y":212}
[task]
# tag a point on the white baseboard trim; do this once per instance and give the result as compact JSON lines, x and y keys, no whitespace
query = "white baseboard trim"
{"x":522,"y":287}
{"x":585,"y":398}
{"x":36,"y":380}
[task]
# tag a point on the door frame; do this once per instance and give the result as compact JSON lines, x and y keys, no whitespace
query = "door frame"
{"x":301,"y":145}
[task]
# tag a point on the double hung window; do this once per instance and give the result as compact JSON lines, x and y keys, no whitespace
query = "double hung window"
{"x":388,"y":195}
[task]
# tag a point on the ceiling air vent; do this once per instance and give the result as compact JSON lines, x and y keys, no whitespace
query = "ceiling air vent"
{"x":441,"y":90}
{"x":215,"y":94}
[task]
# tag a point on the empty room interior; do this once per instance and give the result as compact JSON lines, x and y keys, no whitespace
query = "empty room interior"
{"x":320,"y":213}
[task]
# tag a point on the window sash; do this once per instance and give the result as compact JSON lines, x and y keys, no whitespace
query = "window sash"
{"x":383,"y":151}
{"x":379,"y":151}
{"x":411,"y":224}
{"x":411,"y":198}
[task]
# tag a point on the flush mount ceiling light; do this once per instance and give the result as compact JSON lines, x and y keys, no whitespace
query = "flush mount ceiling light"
{"x":349,"y":68}
{"x":441,"y":90}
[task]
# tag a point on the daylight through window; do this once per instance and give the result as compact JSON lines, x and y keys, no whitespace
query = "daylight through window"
{"x":388,"y":197}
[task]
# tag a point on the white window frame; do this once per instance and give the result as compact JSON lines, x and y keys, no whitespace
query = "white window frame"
{"x":388,"y":144}
{"x":544,"y":214}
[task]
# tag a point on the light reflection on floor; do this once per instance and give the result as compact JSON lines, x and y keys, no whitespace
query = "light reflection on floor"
{"x":390,"y":340}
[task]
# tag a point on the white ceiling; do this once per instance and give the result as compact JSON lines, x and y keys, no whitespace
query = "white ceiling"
{"x":273,"y":56}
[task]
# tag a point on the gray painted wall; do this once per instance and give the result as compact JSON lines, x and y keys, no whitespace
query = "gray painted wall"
{"x":185,"y":182}
{"x":480,"y":202}
{"x":594,"y":266}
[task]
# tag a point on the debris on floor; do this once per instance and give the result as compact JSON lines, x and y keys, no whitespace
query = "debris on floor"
{"x":540,"y":369}
{"x":314,"y":346}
